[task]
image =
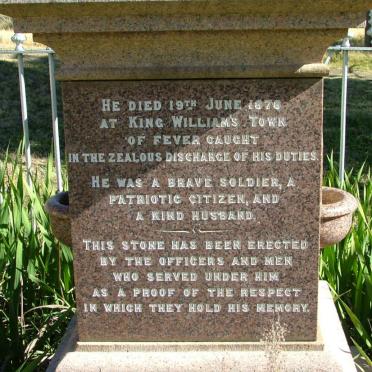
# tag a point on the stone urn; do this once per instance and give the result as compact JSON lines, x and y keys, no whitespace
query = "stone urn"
{"x":336,"y":215}
{"x":58,"y":209}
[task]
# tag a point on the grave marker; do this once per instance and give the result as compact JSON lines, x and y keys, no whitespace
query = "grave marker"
{"x":194,"y":148}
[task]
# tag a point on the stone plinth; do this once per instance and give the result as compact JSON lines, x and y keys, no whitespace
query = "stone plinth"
{"x":220,"y":213}
{"x":330,"y":353}
{"x":194,"y":185}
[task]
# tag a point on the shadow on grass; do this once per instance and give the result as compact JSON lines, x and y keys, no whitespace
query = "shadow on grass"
{"x":359,"y":120}
{"x":38,"y":102}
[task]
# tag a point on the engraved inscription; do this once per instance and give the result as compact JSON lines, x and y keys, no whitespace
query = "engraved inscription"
{"x":188,"y":201}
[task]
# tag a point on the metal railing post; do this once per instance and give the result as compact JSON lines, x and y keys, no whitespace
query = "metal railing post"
{"x":369,"y":27}
{"x":345,"y":70}
{"x":53,"y":97}
{"x":19,"y":39}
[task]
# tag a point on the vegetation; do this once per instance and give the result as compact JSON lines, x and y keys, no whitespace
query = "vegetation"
{"x":38,"y":104}
{"x":359,"y":119}
{"x":359,"y":63}
{"x":36,"y":283}
{"x":6,"y":23}
{"x":347,"y":266}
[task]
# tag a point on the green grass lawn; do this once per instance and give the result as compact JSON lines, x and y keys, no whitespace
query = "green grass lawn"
{"x":359,"y":120}
{"x":38,"y":102}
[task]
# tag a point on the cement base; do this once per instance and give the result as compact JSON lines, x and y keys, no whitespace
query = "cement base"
{"x":330,"y":353}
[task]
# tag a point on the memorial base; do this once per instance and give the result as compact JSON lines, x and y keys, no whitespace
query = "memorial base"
{"x":329,"y":353}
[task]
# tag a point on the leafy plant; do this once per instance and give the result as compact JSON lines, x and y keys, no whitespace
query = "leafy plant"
{"x":347,"y":266}
{"x":36,"y":282}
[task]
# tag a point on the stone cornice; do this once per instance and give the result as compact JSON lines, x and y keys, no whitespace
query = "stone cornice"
{"x":83,"y":8}
{"x":162,"y":23}
{"x":187,"y":38}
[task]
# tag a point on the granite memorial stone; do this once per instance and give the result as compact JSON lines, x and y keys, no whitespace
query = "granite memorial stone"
{"x":189,"y":201}
{"x":194,"y":148}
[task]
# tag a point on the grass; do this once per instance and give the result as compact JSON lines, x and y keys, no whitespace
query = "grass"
{"x":357,"y":61}
{"x":359,"y":121}
{"x":6,"y":23}
{"x":347,"y":266}
{"x":36,"y":281}
{"x":36,"y":285}
{"x":359,"y":65}
{"x":359,"y":108}
{"x":38,"y":102}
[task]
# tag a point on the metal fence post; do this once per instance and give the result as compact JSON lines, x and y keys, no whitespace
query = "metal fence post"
{"x":345,"y":70}
{"x":19,"y":39}
{"x":53,"y":98}
{"x":369,"y":29}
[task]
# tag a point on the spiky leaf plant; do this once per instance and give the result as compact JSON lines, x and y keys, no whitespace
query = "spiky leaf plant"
{"x":36,"y":282}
